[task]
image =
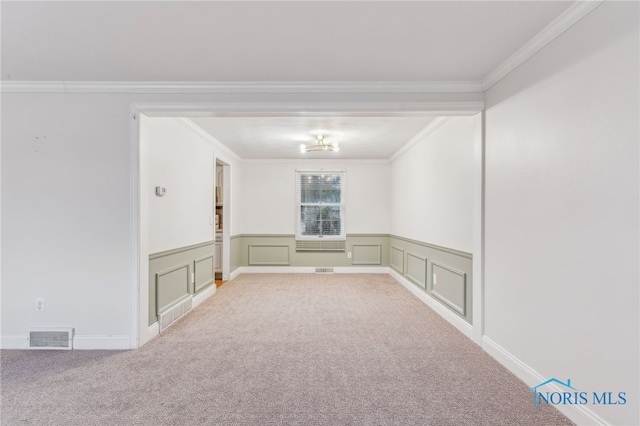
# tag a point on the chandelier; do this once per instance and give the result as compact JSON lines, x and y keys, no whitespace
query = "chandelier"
{"x":320,"y":145}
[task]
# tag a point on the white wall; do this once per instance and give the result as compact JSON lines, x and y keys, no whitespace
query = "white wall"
{"x":268,"y":195}
{"x":562,"y":209}
{"x":183,"y":163}
{"x":432,"y":187}
{"x":66,"y":215}
{"x":235,"y":198}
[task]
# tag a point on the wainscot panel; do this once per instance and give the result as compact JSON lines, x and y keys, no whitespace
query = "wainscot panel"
{"x":452,"y":268}
{"x":266,"y":255}
{"x":367,"y":254}
{"x":270,"y":250}
{"x":203,"y":270}
{"x":170,"y":275}
{"x":449,"y":286}
{"x":417,"y":269}
{"x":172,"y":286}
{"x":397,"y":259}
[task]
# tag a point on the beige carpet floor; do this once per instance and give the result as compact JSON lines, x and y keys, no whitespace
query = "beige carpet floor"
{"x":271,"y":349}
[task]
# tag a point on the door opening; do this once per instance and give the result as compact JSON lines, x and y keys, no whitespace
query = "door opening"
{"x":222,"y":203}
{"x":221,"y":215}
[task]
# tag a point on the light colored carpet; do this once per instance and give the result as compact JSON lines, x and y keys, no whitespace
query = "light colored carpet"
{"x":290,"y":349}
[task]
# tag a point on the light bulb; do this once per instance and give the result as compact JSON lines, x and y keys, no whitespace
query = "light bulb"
{"x":303,"y":148}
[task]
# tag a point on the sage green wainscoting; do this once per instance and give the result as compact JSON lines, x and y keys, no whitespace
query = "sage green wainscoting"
{"x":419,"y":262}
{"x":170,"y":276}
{"x":280,"y":250}
{"x":236,"y":252}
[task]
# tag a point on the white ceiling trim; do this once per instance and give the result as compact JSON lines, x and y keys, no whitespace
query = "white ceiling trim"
{"x":302,"y":109}
{"x":182,"y":87}
{"x":417,"y":138}
{"x":573,"y":14}
{"x":32,"y":87}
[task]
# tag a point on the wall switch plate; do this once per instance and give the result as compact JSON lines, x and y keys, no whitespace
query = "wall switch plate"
{"x":193,"y":277}
{"x":349,"y":255}
{"x":161,"y":191}
{"x":40,"y":306}
{"x":435,"y":279}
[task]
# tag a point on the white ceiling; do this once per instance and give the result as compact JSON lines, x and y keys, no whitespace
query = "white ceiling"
{"x":273,"y":41}
{"x":280,"y":137}
{"x":266,"y":40}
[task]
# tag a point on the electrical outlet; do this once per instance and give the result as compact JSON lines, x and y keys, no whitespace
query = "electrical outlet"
{"x":40,"y":304}
{"x":348,"y":255}
{"x":435,"y":279}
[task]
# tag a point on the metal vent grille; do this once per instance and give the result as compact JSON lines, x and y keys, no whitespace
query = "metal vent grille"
{"x":51,"y":339}
{"x":171,"y":315}
{"x":324,"y":270}
{"x":320,"y":245}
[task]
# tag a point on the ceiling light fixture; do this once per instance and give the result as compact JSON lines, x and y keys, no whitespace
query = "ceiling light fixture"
{"x":320,"y":145}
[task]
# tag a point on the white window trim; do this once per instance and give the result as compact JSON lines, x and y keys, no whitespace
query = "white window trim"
{"x":343,"y":206}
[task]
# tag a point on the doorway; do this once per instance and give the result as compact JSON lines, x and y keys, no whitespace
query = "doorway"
{"x":140,"y":253}
{"x":222,"y":210}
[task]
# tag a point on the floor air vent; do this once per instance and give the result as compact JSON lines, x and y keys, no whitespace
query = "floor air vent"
{"x":324,"y":270}
{"x":172,"y":314}
{"x":53,"y":338}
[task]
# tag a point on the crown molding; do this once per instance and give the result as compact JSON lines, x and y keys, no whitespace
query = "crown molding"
{"x":184,"y":87}
{"x":312,"y":109}
{"x":573,"y":14}
{"x":417,"y":138}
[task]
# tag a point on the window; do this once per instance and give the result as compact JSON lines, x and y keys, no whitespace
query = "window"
{"x":320,"y":205}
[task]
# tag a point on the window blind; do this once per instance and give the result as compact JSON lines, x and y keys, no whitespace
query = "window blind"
{"x":320,"y":205}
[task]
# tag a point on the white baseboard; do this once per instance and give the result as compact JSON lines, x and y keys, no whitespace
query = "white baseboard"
{"x":14,"y":341}
{"x":153,"y":331}
{"x":80,"y":341}
{"x":277,"y":270}
{"x":110,"y":342}
{"x":204,"y":295}
{"x":463,"y":326}
{"x":361,"y":270}
{"x":578,"y":414}
{"x":235,"y":273}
